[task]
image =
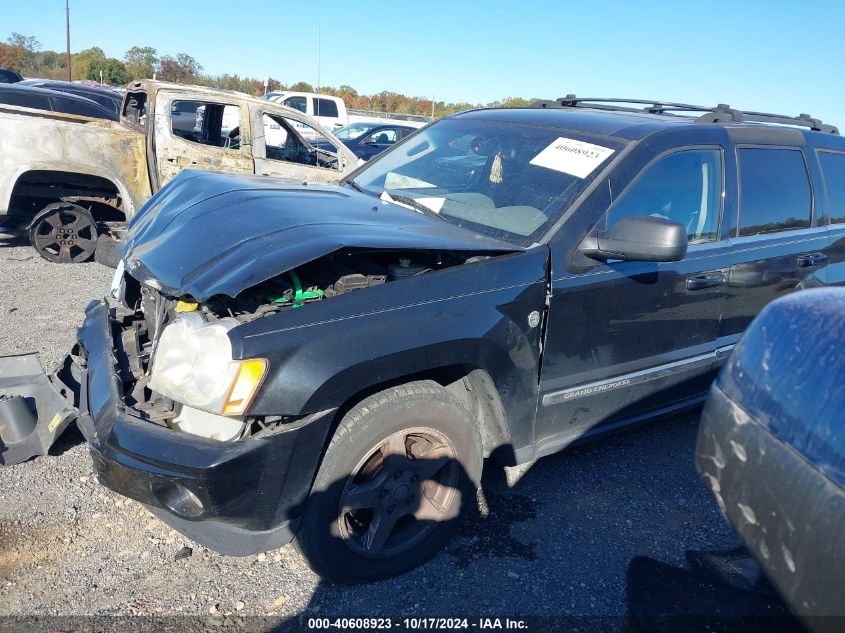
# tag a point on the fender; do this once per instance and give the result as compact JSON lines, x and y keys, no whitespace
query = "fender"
{"x":476,"y":315}
{"x":74,"y":145}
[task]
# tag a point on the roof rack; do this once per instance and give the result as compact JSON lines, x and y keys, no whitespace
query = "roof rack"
{"x":722,"y":113}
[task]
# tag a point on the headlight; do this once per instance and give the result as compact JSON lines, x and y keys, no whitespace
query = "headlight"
{"x":193,"y":365}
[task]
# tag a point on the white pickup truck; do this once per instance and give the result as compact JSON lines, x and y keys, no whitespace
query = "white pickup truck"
{"x":70,"y":179}
{"x":332,"y":114}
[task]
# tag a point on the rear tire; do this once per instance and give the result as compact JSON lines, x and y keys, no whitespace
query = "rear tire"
{"x":397,"y":480}
{"x":64,"y":233}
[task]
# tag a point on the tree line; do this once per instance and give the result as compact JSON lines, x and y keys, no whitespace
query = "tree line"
{"x":23,"y":53}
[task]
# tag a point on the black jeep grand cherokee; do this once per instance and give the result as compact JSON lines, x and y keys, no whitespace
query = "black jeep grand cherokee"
{"x":335,"y":362}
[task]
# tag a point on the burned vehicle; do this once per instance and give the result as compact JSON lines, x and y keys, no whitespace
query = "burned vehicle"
{"x":73,"y":182}
{"x":335,"y":362}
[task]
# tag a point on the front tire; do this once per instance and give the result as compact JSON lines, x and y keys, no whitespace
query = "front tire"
{"x":396,"y":482}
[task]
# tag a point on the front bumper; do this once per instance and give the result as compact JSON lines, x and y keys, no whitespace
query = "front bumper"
{"x":236,"y":498}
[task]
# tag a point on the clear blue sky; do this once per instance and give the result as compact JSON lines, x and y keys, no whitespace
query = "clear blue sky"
{"x":773,"y":55}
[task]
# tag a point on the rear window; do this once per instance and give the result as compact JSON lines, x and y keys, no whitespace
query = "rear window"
{"x":774,"y":191}
{"x":833,"y":170}
{"x":325,"y":107}
{"x":8,"y":76}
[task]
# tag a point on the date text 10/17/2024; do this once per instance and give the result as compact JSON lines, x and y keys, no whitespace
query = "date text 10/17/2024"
{"x":421,"y":623}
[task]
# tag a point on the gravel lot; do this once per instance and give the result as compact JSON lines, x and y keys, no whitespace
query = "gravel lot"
{"x":555,"y":538}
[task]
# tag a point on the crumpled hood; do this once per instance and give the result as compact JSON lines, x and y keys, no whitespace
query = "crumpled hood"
{"x":206,"y":233}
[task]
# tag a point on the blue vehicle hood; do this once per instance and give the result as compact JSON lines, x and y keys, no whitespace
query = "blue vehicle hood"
{"x":207,"y":234}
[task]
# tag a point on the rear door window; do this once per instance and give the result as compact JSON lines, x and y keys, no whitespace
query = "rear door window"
{"x":386,"y":136}
{"x":295,"y":142}
{"x":774,"y":191}
{"x":325,"y":107}
{"x":833,"y":170}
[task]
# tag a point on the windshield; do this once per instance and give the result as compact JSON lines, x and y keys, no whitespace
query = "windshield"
{"x":505,"y":180}
{"x":354,"y":130}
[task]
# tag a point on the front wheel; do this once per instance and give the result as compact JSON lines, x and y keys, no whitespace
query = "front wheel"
{"x":397,"y":480}
{"x":64,"y":233}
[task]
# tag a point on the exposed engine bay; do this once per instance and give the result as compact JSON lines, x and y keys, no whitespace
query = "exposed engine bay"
{"x":174,"y":356}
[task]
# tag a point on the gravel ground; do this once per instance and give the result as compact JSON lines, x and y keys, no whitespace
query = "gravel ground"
{"x":555,"y":538}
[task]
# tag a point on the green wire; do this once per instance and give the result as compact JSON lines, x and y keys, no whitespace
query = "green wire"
{"x":299,"y":295}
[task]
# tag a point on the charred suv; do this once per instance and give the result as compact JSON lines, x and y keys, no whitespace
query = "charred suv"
{"x":335,"y":362}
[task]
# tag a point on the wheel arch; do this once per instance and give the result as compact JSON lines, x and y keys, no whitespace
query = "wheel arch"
{"x":109,"y":197}
{"x":472,"y":386}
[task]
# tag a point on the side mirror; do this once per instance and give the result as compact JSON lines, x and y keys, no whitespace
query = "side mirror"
{"x":643,"y":238}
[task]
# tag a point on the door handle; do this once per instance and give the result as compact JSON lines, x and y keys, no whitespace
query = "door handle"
{"x":813,"y":259}
{"x":707,"y":280}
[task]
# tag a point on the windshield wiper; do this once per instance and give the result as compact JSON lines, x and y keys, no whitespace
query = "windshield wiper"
{"x":351,"y":182}
{"x":415,"y":204}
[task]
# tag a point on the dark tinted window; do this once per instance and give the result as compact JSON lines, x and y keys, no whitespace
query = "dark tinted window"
{"x":325,"y":107}
{"x":297,"y":103}
{"x":112,"y":105}
{"x":774,"y":191}
{"x":72,"y":106}
{"x":39,"y":102}
{"x":684,"y":186}
{"x":833,"y":168}
{"x":9,"y":76}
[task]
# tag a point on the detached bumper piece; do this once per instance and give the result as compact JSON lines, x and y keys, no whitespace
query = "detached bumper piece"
{"x":34,"y":409}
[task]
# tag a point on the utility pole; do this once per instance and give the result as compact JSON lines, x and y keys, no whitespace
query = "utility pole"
{"x":318,"y":58}
{"x":67,"y":26}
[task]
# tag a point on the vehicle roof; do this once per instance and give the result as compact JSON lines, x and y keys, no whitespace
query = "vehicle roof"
{"x":51,"y":84}
{"x":34,"y":90}
{"x":291,"y":93}
{"x":382,"y":123}
{"x":153,"y":86}
{"x":624,"y":125}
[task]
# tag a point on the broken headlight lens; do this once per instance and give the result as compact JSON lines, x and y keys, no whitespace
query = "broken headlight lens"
{"x":193,"y":365}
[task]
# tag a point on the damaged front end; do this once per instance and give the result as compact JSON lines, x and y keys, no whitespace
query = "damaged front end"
{"x":159,"y":382}
{"x":237,"y":497}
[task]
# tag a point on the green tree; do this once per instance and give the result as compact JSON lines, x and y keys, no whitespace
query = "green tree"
{"x":28,"y":42}
{"x":181,"y":69}
{"x":141,"y":62}
{"x":82,"y":62}
{"x":113,"y":71}
{"x":20,"y":54}
{"x":302,"y":86}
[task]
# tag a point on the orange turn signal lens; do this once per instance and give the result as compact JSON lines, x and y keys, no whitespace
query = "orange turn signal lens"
{"x":247,"y":381}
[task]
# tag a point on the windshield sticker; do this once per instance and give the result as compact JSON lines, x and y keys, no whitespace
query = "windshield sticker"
{"x":435,"y":204}
{"x":572,"y":157}
{"x":398,"y":181}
